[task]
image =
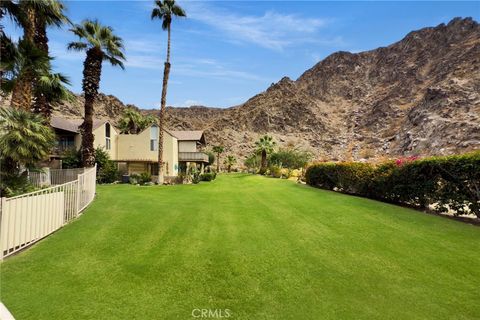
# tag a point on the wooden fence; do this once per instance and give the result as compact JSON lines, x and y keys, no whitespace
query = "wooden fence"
{"x":27,"y":218}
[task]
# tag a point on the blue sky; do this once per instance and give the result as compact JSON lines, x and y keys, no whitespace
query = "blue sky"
{"x":227,"y":51}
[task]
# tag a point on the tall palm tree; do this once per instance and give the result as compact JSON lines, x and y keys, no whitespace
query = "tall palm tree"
{"x":100,"y":43}
{"x":9,"y":53}
{"x":165,"y":11}
{"x":9,"y":8}
{"x":27,"y":13}
{"x":218,"y":150}
{"x":264,"y":146}
{"x":229,"y":162}
{"x":51,"y":15}
{"x":25,"y":59}
{"x":51,"y":88}
{"x":27,"y":62}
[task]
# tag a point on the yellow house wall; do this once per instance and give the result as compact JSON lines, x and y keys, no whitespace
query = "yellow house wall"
{"x":170,"y":154}
{"x":131,"y":147}
{"x":187,"y":146}
{"x":100,"y":140}
{"x":135,"y":147}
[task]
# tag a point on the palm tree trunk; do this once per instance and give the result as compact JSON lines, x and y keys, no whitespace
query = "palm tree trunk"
{"x":92,"y":69}
{"x":22,"y":90}
{"x":168,"y":44}
{"x":41,"y":104}
{"x":264,"y":162}
{"x":163,"y":103}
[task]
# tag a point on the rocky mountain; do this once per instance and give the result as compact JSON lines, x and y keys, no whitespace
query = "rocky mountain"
{"x":418,"y":96}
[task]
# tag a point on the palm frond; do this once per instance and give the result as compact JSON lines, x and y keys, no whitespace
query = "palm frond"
{"x":114,"y":61}
{"x":24,"y":137}
{"x":178,"y":11}
{"x":77,"y":46}
{"x":93,"y":34}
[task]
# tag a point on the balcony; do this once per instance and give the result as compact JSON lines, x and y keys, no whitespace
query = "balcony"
{"x":192,"y":156}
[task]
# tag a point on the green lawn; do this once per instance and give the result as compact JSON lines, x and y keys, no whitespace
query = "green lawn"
{"x":262,"y":248}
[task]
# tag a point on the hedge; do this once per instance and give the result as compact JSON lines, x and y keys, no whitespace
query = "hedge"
{"x":451,"y":182}
{"x":208,"y":176}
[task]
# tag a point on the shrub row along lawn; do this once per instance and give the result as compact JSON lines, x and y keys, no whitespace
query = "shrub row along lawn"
{"x":263,"y":248}
{"x":448,"y":183}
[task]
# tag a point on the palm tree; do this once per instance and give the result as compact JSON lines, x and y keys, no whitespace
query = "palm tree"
{"x":133,"y":122}
{"x":29,"y":14}
{"x":264,"y":146}
{"x":24,"y":138}
{"x":24,"y":60}
{"x":7,"y":62}
{"x":100,"y":44}
{"x":27,"y":62}
{"x":8,"y":8}
{"x":51,"y":15}
{"x":51,"y":87}
{"x":229,"y":162}
{"x":165,"y":11}
{"x":218,"y":150}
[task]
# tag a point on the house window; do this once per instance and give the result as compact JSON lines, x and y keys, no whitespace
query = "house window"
{"x":153,"y":145}
{"x":66,"y":142}
{"x":154,"y":138}
{"x":108,"y":144}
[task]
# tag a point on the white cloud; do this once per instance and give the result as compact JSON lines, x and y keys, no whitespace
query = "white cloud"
{"x":192,"y":67}
{"x":271,"y":30}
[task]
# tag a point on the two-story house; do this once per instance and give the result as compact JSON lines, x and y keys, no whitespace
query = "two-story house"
{"x":136,"y":153}
{"x":190,"y":145}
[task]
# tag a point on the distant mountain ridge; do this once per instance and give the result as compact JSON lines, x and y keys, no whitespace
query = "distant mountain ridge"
{"x":420,"y":95}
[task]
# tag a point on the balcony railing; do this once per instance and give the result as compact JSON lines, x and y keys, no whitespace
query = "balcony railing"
{"x":192,"y":156}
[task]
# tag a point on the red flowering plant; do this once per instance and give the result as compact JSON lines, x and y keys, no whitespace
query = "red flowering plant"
{"x":401,"y":161}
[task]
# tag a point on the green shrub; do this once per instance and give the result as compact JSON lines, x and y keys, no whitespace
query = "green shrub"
{"x":195,"y":177}
{"x":451,"y":182}
{"x":143,"y":178}
{"x":275,"y":171}
{"x":71,"y":158}
{"x":12,"y":185}
{"x":290,"y":158}
{"x":107,"y":171}
{"x":209,"y":176}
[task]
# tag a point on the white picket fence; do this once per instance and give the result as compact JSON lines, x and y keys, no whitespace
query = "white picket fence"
{"x":52,"y":177}
{"x":27,"y":218}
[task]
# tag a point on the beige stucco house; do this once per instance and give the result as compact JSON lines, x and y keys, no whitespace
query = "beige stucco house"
{"x":136,"y":153}
{"x":190,"y":146}
{"x":68,"y":136}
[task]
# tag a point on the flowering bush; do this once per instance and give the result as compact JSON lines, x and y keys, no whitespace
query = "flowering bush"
{"x":401,"y":161}
{"x":448,"y":183}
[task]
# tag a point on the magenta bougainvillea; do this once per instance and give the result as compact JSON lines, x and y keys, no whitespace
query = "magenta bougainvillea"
{"x":401,"y":161}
